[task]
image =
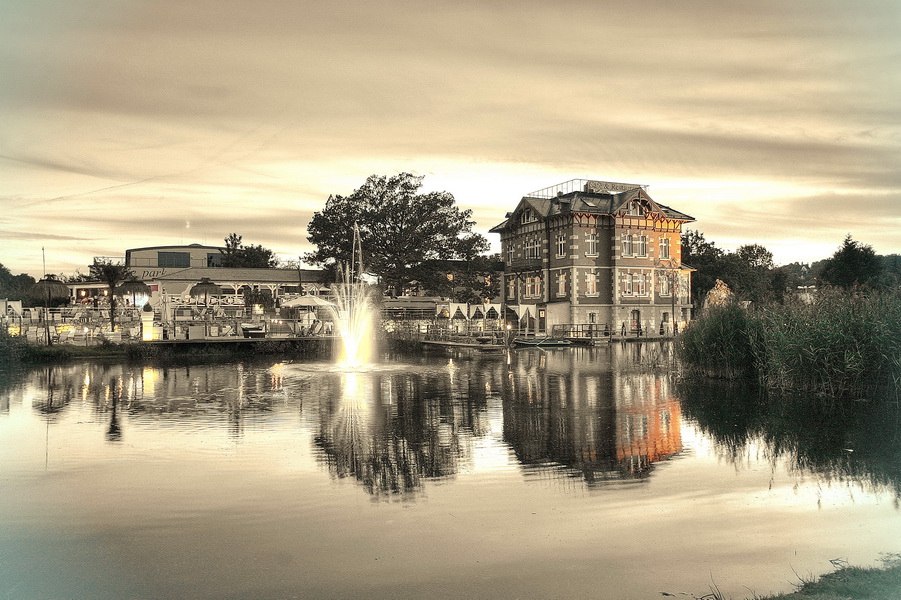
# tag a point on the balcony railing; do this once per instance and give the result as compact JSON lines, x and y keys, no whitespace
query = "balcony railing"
{"x":525,"y":264}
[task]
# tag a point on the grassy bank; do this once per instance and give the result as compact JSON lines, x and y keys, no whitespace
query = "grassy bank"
{"x":840,"y":346}
{"x":851,"y":583}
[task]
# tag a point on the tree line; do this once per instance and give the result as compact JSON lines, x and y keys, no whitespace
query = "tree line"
{"x":421,"y":241}
{"x":752,"y":276}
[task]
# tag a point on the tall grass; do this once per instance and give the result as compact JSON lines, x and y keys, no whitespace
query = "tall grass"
{"x":841,"y":345}
{"x":721,"y":343}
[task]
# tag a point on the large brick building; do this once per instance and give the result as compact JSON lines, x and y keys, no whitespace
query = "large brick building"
{"x":595,"y":256}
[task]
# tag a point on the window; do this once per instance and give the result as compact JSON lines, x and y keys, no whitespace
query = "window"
{"x":173,"y":259}
{"x":561,"y":284}
{"x":511,"y":288}
{"x":664,"y":284}
{"x":664,"y":248}
{"x":635,"y":210}
{"x":591,"y":284}
{"x":532,"y":249}
{"x":510,"y":255}
{"x":639,"y":284}
{"x":627,"y":245}
{"x":641,"y":245}
{"x":527,"y":216}
{"x":627,"y":285}
{"x":533,"y":286}
{"x":592,"y":317}
{"x":592,"y":241}
{"x":561,"y":245}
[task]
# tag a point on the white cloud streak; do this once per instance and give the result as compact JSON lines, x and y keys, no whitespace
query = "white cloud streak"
{"x":770,"y":122}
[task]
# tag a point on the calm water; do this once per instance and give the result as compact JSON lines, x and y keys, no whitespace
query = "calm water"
{"x":574,"y":473}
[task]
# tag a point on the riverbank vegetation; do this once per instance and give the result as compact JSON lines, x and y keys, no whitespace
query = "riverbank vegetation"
{"x":851,"y":583}
{"x":837,"y":345}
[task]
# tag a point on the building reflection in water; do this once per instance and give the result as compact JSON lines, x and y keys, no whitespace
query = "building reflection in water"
{"x":589,"y":412}
{"x":599,"y":414}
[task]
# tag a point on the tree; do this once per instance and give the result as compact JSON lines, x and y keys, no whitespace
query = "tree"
{"x":15,"y":287}
{"x":237,"y":254}
{"x":706,"y":258}
{"x":853,"y":264}
{"x":755,"y":256}
{"x":749,"y":272}
{"x":473,"y":281}
{"x":400,"y":229}
{"x":891,"y":270}
{"x":112,"y":274}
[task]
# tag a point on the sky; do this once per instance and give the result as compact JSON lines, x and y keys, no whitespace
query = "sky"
{"x":130,"y":123}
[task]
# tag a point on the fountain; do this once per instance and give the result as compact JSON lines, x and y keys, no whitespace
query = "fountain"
{"x":354,"y":312}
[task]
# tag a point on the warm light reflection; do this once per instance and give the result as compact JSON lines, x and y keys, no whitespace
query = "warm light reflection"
{"x":148,"y":378}
{"x":277,"y":375}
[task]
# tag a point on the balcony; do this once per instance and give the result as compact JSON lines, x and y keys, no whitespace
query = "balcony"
{"x":525,"y":264}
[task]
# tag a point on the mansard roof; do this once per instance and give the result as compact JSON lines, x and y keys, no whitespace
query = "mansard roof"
{"x":598,"y":203}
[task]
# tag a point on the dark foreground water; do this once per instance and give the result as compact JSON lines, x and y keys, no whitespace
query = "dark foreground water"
{"x":575,"y":473}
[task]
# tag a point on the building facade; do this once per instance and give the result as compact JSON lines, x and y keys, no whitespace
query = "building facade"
{"x":171,"y":271}
{"x":593,"y":256}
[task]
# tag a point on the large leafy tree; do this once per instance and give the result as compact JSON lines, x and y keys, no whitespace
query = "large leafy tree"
{"x":474,"y":281}
{"x":236,"y":254}
{"x":112,"y":274}
{"x":14,"y":287}
{"x":853,"y":264}
{"x":749,"y":271}
{"x":706,"y":258}
{"x":401,"y":230}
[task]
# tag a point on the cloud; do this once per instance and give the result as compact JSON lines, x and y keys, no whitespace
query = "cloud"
{"x":232,"y":112}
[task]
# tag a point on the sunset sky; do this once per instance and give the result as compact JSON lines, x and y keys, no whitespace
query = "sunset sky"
{"x":128,"y":123}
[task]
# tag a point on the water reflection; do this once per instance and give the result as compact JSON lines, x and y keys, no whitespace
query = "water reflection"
{"x":392,"y":430}
{"x":584,"y":416}
{"x":847,"y":445}
{"x":570,"y":412}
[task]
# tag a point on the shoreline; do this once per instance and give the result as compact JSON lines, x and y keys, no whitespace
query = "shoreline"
{"x":846,"y":583}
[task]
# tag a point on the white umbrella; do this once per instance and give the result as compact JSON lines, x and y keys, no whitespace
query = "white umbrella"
{"x":305,"y":301}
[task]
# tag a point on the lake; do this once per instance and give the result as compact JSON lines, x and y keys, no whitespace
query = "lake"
{"x":564,"y":473}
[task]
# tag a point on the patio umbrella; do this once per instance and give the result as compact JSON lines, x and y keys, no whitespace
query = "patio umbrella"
{"x":47,"y":289}
{"x":205,"y":288}
{"x":132,"y":287}
{"x":314,"y":301}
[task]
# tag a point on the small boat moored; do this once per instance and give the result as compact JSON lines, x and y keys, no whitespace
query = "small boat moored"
{"x":545,"y":341}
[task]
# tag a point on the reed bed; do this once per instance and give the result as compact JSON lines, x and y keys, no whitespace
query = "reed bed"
{"x":721,"y":343}
{"x":840,"y":346}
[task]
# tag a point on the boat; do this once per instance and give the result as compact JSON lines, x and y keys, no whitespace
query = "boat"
{"x":545,"y":341}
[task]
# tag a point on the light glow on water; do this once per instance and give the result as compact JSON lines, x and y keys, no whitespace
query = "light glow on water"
{"x":480,"y":476}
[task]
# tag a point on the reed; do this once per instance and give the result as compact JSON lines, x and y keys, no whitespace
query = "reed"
{"x":840,"y":346}
{"x":721,"y":343}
